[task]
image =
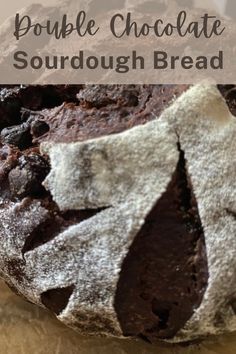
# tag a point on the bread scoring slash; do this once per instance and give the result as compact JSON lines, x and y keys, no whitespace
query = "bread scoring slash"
{"x":133,"y":231}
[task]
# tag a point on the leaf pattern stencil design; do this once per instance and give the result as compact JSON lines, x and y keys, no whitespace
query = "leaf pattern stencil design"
{"x":122,"y":177}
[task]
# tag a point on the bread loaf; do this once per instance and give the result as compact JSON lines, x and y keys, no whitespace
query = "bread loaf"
{"x":118,"y":207}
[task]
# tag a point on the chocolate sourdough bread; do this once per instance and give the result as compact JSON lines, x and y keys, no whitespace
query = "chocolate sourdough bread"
{"x":112,"y":241}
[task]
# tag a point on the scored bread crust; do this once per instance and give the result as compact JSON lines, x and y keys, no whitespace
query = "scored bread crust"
{"x":201,"y":122}
{"x":125,"y":174}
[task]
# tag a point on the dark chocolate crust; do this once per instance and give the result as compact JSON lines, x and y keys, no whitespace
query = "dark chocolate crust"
{"x":164,"y":276}
{"x":165,"y":273}
{"x":104,"y":110}
{"x":229,"y":93}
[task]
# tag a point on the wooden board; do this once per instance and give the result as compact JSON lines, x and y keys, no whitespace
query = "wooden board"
{"x":27,"y":329}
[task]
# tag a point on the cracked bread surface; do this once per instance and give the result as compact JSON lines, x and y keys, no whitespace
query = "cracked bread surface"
{"x":106,"y":196}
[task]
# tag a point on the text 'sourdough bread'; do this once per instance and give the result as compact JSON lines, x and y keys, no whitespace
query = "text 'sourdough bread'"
{"x":174,"y":174}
